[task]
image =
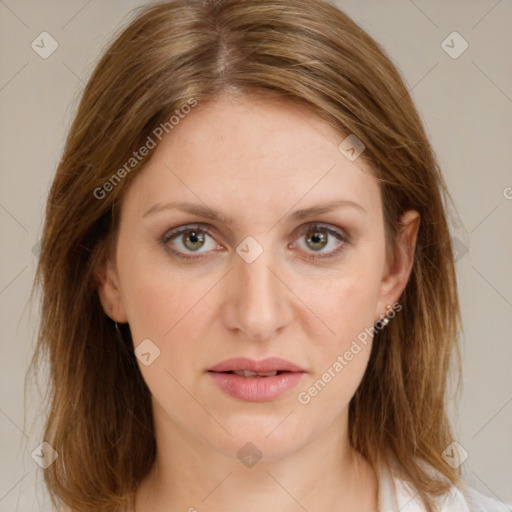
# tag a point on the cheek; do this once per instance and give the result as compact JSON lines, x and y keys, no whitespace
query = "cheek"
{"x":344,"y":303}
{"x":151,"y":301}
{"x":340,"y":359}
{"x":344,"y":306}
{"x":172,"y":307}
{"x":158,"y":299}
{"x":165,"y":305}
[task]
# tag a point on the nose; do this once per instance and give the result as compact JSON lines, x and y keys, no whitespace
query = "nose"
{"x":257,"y":300}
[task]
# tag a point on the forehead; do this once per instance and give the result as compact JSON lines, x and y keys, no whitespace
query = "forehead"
{"x":254,"y":129}
{"x":255,"y":153}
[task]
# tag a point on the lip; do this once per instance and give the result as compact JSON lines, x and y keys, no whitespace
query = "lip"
{"x":256,"y":389}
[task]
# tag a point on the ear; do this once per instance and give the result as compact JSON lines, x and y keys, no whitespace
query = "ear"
{"x":107,"y":285}
{"x":398,"y":267}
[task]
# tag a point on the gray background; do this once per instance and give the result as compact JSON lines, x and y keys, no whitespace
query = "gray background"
{"x":465,"y":102}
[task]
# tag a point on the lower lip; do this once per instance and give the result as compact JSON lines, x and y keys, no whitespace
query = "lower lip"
{"x":256,"y":389}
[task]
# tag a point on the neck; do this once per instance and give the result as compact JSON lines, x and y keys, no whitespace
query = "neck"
{"x":325,"y":474}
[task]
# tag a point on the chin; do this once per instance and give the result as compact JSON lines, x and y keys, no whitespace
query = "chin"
{"x":265,"y":438}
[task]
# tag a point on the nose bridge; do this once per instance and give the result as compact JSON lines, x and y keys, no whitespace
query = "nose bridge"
{"x":256,"y":278}
{"x":259,"y":299}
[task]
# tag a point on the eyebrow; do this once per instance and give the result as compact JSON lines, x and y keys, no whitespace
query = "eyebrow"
{"x":209,"y":213}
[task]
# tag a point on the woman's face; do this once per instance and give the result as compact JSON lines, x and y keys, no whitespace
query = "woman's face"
{"x":259,"y":281}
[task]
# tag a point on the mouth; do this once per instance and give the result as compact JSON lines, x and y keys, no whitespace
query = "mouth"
{"x":248,"y":373}
{"x":256,"y":381}
{"x":264,"y":367}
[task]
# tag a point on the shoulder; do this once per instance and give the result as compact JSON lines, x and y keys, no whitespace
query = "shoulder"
{"x":397,"y":495}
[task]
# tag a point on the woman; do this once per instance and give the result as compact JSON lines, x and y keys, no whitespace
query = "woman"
{"x":249,"y":297}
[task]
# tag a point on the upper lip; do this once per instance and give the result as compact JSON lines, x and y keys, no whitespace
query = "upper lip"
{"x":268,"y":364}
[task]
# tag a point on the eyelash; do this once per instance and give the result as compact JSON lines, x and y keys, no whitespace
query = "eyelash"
{"x":311,"y":228}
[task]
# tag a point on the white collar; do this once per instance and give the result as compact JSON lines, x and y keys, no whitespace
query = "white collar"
{"x":395,"y":495}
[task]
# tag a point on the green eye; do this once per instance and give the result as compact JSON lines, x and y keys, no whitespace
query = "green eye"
{"x":186,"y":240}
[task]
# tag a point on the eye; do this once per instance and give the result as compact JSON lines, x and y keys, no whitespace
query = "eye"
{"x":190,"y":238}
{"x":320,"y":236}
{"x":193,"y":238}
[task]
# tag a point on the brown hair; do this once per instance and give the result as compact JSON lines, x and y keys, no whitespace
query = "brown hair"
{"x":307,"y":52}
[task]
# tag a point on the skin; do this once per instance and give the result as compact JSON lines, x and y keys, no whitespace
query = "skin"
{"x":256,"y":161}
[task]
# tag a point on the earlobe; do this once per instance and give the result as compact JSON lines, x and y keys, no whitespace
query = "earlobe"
{"x":107,"y":285}
{"x":397,"y":271}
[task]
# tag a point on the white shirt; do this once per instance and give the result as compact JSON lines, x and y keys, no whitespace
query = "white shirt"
{"x":396,"y":496}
